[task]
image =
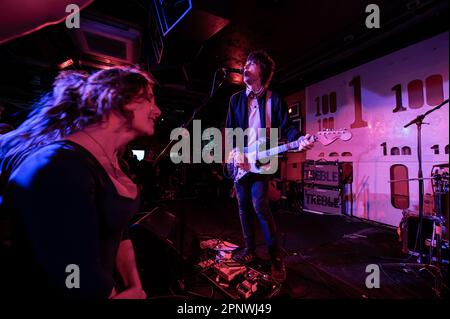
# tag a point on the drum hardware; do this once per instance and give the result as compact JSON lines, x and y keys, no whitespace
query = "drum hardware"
{"x":440,"y":188}
{"x":434,"y":270}
{"x":419,"y":121}
{"x":440,"y":183}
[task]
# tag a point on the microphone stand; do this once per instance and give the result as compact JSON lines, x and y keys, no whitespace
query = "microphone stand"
{"x":205,"y":102}
{"x":419,"y":121}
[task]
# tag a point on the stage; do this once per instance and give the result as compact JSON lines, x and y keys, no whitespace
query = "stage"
{"x":326,"y":255}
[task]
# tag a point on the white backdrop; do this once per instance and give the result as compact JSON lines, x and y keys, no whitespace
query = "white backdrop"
{"x":419,"y":75}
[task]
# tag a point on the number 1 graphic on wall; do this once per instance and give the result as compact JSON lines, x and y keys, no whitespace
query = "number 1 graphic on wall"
{"x":358,"y":122}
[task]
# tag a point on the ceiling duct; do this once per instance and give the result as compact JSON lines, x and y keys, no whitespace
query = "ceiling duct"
{"x":107,"y":42}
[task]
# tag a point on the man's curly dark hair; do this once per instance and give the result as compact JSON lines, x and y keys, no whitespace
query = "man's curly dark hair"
{"x":266,"y":63}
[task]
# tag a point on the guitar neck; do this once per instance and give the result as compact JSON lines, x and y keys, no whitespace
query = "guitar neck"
{"x":325,"y":137}
{"x":279,"y":149}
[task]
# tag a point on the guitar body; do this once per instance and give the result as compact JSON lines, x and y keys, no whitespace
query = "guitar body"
{"x":251,"y":163}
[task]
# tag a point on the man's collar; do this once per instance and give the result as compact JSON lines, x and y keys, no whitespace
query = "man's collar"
{"x":249,"y":93}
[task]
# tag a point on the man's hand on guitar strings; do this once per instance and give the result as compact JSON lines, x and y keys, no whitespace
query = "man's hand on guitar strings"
{"x":306,"y":143}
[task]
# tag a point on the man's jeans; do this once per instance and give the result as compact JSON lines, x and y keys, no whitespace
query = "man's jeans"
{"x":252,"y":190}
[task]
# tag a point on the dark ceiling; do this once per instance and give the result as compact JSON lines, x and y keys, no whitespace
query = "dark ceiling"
{"x":309,"y":40}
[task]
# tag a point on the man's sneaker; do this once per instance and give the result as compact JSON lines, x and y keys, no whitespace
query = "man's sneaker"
{"x":244,"y":256}
{"x":278,"y":270}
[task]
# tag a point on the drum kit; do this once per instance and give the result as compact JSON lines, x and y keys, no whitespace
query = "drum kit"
{"x":434,"y":226}
{"x":427,"y":237}
{"x":440,"y":218}
{"x":431,"y":261}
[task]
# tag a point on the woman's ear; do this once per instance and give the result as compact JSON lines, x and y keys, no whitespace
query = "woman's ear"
{"x":132,"y":106}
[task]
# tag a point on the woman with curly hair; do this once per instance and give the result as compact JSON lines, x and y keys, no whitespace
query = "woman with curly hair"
{"x":68,"y":194}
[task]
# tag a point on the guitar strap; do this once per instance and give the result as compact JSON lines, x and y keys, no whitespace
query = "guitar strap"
{"x":268,"y":113}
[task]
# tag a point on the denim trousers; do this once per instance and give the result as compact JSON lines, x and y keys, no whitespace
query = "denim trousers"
{"x":252,"y":194}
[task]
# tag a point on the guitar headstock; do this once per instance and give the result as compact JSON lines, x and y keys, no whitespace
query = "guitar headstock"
{"x":329,"y":136}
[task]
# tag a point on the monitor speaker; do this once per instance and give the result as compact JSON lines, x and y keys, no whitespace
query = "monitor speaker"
{"x":164,"y":249}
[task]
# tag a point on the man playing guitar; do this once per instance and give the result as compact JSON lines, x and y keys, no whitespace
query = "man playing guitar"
{"x":255,"y":108}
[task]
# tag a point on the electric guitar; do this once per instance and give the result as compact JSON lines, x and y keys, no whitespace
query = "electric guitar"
{"x":253,"y":155}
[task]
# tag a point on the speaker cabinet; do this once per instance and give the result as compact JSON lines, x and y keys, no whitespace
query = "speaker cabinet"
{"x":164,"y":248}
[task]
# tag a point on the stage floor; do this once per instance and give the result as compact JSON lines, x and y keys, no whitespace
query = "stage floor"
{"x":326,"y":255}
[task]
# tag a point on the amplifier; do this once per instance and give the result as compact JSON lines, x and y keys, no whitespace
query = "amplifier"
{"x":327,"y":201}
{"x":323,"y":173}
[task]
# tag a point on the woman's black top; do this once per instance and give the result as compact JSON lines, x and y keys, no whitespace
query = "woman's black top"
{"x":68,"y":222}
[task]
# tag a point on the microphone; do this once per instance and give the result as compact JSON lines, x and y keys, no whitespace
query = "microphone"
{"x":233,"y":70}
